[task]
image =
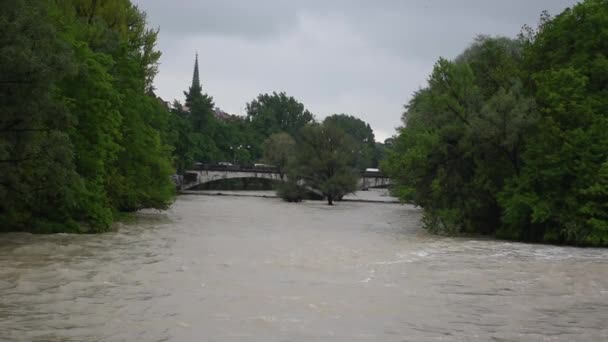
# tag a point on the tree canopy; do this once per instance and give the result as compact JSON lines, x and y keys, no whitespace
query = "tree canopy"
{"x":507,"y":138}
{"x":362,"y":136}
{"x":81,"y":136}
{"x":273,"y":113}
{"x":324,"y":160}
{"x":560,"y":195}
{"x":278,"y":148}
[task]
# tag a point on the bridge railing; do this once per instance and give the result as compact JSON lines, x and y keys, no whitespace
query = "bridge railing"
{"x":372,"y":174}
{"x":237,"y":168}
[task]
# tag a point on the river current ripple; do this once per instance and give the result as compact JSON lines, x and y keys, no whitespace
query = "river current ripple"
{"x":219,"y":268}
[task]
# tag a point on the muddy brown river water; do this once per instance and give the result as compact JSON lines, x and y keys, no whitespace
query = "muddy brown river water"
{"x":220,"y":268}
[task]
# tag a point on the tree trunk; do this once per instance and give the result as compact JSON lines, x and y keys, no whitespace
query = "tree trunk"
{"x":330,"y":200}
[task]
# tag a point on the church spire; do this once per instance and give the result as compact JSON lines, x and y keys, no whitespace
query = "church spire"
{"x":196,"y":82}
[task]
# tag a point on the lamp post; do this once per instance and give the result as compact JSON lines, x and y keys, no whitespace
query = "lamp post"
{"x":235,"y":149}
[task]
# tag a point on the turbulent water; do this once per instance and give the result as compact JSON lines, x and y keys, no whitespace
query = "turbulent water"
{"x":219,"y":268}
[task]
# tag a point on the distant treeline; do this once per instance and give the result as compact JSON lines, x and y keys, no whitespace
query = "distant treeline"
{"x":82,"y":134}
{"x":511,"y":138}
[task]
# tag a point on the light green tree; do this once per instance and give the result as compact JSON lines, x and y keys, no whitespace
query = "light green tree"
{"x":323,"y":161}
{"x":278,"y":148}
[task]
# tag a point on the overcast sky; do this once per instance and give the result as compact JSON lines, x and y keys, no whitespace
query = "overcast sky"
{"x":359,"y":57}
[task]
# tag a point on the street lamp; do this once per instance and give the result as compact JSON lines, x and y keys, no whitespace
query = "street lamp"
{"x":234,"y":150}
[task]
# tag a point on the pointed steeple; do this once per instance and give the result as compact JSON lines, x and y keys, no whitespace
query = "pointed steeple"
{"x":196,"y":82}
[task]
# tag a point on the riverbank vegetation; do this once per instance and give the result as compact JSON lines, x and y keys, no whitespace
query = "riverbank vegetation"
{"x":83,"y":137}
{"x":509,"y":139}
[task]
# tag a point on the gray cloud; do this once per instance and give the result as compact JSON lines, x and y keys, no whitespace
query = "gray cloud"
{"x":360,"y":57}
{"x":247,"y":19}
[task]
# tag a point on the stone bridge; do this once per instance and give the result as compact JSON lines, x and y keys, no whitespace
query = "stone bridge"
{"x":194,"y":178}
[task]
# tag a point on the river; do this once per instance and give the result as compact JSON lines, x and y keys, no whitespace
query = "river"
{"x":224,"y":268}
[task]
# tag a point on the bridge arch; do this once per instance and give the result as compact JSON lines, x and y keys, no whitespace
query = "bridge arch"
{"x":194,"y":178}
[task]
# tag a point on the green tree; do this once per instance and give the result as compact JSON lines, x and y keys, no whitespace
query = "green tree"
{"x":496,"y":61}
{"x":83,"y":131}
{"x":273,"y":113}
{"x":95,"y":135}
{"x":124,"y":164}
{"x":278,"y":148}
{"x":460,"y":142}
{"x":181,"y":138}
{"x":510,"y":138}
{"x":234,"y":141}
{"x":200,"y":111}
{"x":37,"y":175}
{"x":291,"y":191}
{"x":323,"y":161}
{"x":560,"y":194}
{"x":362,"y":135}
{"x":141,"y":174}
{"x":145,"y":160}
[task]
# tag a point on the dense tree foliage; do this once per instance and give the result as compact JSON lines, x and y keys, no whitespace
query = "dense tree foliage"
{"x":324,"y":160}
{"x":362,"y":136}
{"x":36,"y":158}
{"x":200,"y":123}
{"x":201,"y":137}
{"x":81,"y":136}
{"x":561,"y":193}
{"x":277,"y":150}
{"x":291,"y":191}
{"x":509,"y":138}
{"x":273,"y":113}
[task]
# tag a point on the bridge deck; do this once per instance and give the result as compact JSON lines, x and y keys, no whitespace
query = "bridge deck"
{"x":202,"y":175}
{"x":236,"y":168}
